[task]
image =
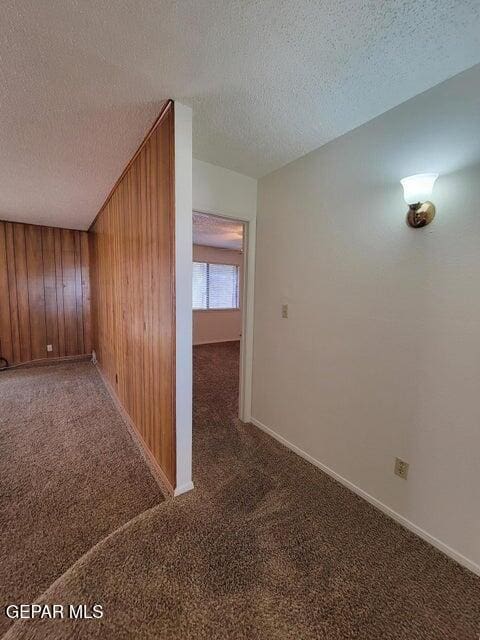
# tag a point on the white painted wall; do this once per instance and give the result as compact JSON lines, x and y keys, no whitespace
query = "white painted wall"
{"x":223,"y":192}
{"x":218,"y":325}
{"x":183,"y":295}
{"x":380,"y":355}
{"x":232,"y":195}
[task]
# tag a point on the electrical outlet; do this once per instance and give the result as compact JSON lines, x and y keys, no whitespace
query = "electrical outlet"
{"x":401,"y":468}
{"x":284,"y":310}
{"x":49,"y":347}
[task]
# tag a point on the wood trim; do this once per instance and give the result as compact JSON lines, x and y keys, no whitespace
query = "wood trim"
{"x":42,"y":362}
{"x":152,"y":464}
{"x":149,"y":134}
{"x":173,"y":448}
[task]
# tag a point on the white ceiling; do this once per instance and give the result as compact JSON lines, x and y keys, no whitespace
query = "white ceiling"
{"x":81,"y":81}
{"x":212,"y":231}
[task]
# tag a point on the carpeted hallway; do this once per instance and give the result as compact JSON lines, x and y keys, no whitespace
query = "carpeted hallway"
{"x":267,"y":546}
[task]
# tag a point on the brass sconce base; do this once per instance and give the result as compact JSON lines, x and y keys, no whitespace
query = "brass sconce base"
{"x":420,"y":214}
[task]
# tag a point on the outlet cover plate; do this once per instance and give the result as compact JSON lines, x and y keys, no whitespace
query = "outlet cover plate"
{"x":401,"y":468}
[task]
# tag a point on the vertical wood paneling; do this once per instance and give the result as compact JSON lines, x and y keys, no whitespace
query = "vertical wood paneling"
{"x":69,"y":292}
{"x":35,"y":263}
{"x":78,"y":293}
{"x":12,"y":287}
{"x":36,"y":291}
{"x":50,"y":283}
{"x":57,"y":234}
{"x":6,"y":345}
{"x":22,"y":292}
{"x":85,"y":283}
{"x":132,"y":273}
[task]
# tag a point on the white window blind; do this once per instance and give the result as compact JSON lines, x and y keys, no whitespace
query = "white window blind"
{"x":215,"y":286}
{"x":199,"y":285}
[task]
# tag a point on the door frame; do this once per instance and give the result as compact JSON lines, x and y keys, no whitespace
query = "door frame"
{"x":246,"y":340}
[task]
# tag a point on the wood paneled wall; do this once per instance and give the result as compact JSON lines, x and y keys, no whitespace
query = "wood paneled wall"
{"x":44,"y":292}
{"x":132,"y":248}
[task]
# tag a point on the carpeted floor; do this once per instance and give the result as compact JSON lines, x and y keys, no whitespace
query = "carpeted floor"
{"x":267,"y":546}
{"x":69,"y":474}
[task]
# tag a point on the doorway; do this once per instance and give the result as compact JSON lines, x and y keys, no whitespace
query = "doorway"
{"x":219,"y":301}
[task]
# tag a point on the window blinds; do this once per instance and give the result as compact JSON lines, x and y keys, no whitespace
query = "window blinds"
{"x":215,"y":286}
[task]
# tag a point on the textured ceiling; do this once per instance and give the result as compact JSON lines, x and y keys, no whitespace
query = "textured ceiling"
{"x":81,"y":82}
{"x":212,"y":231}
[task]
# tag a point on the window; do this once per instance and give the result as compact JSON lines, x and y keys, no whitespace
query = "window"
{"x":215,"y":286}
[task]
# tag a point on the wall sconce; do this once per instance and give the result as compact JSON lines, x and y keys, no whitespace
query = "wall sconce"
{"x":416,"y":192}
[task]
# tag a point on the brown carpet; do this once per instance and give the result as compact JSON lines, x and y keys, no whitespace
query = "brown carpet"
{"x":267,"y":546}
{"x":69,"y":474}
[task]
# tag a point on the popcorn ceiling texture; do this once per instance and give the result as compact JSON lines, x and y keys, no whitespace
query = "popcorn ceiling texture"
{"x":82,"y":81}
{"x":211,"y":231}
{"x":266,"y":547}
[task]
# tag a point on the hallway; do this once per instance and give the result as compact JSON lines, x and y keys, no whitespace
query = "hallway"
{"x":266,"y":546}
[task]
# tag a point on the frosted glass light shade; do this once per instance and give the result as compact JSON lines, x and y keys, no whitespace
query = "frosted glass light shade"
{"x":418,"y":188}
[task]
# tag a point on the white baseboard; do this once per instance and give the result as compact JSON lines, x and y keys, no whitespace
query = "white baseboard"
{"x":184,"y":488}
{"x":435,"y":542}
{"x":195,"y":344}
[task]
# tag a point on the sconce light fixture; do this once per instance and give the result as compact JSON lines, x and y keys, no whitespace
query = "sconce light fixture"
{"x":416,"y":192}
